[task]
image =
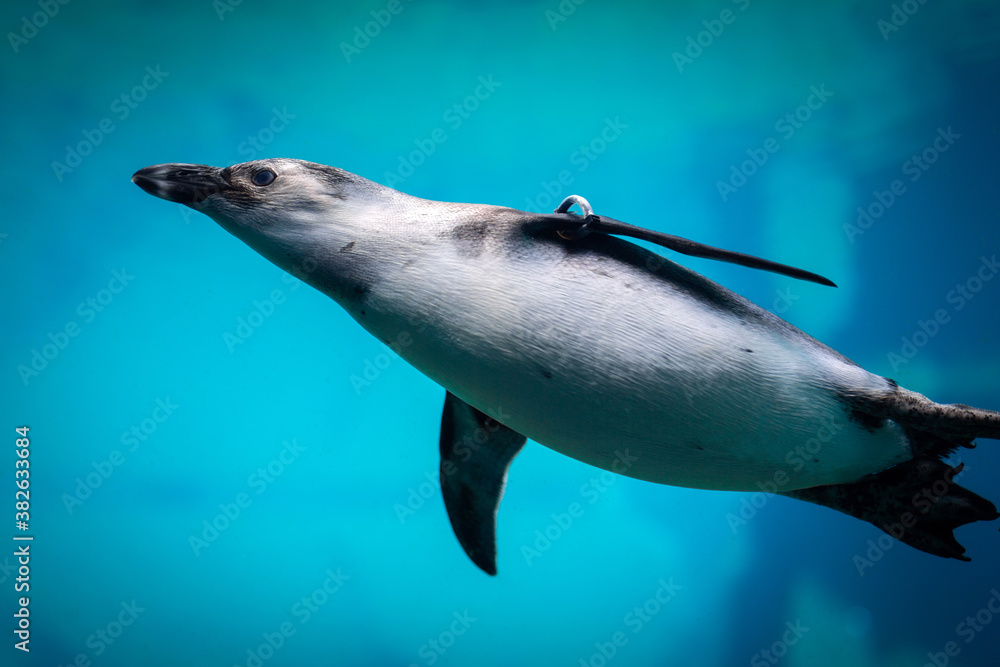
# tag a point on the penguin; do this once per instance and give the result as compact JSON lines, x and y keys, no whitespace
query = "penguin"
{"x":555,"y":328}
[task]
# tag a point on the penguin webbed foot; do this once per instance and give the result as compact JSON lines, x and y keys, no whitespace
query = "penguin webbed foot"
{"x":907,"y":502}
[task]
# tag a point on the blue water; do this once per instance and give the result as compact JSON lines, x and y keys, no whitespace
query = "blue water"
{"x":148,"y":424}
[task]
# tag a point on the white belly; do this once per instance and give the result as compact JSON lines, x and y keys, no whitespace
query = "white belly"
{"x":601,"y":364}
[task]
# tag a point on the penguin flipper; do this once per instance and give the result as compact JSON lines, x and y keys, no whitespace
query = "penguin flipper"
{"x":571,"y":226}
{"x":476,"y":452}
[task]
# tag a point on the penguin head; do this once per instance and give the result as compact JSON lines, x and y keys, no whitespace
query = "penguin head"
{"x":294,"y":213}
{"x":257,"y":194}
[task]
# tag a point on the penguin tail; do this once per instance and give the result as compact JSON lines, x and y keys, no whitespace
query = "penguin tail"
{"x":935,"y":428}
{"x":917,"y":502}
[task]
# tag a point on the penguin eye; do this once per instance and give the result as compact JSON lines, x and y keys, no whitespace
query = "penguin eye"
{"x":264,"y":177}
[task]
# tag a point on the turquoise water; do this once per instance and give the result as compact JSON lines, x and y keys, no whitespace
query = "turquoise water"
{"x":154,"y":414}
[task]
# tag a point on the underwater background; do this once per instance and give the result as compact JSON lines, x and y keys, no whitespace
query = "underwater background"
{"x":227,"y":470}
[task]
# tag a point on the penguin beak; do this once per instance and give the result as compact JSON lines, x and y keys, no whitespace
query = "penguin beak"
{"x":181,"y":183}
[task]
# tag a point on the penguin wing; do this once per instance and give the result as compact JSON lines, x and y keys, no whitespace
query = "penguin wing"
{"x":476,"y":452}
{"x":571,"y":226}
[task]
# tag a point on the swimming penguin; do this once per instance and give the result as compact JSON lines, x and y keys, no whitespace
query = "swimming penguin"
{"x":551,"y":327}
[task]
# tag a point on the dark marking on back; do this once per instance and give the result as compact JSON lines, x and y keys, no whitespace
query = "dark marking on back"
{"x":347,"y":247}
{"x":471,"y":236}
{"x":868,"y":421}
{"x":471,"y":231}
